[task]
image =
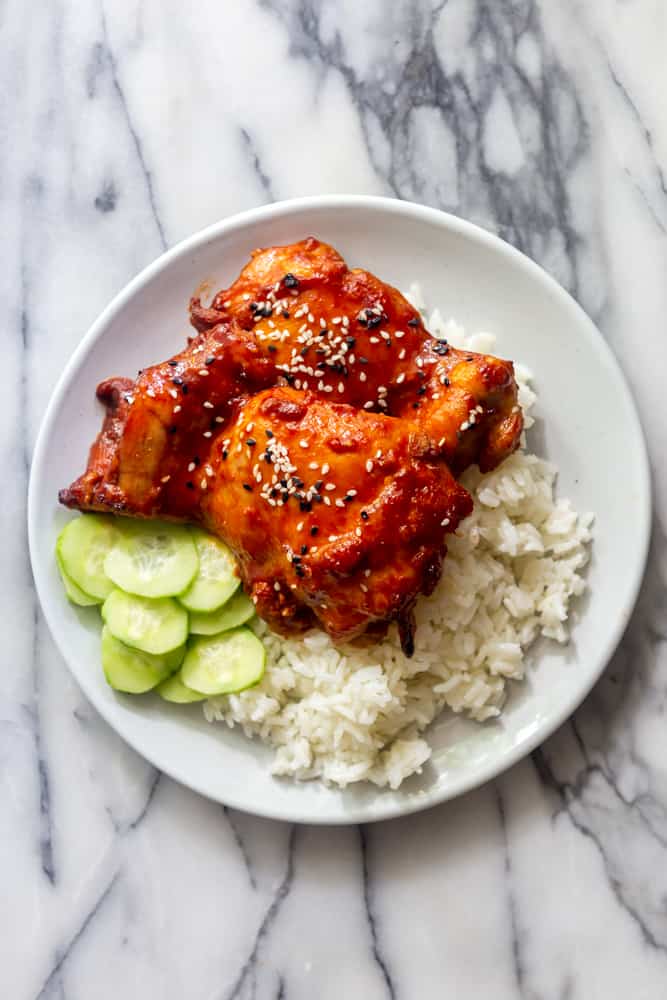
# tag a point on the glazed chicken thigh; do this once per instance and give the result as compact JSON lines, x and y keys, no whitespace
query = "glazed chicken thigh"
{"x":315,"y":426}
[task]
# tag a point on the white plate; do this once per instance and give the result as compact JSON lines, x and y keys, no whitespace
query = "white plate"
{"x":587,"y":424}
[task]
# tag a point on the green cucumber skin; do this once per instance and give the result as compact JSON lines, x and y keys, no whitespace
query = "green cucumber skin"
{"x":208,"y":592}
{"x":72,"y":546}
{"x":73,"y":592}
{"x":176,"y":692}
{"x":118,"y":607}
{"x":238,"y":610}
{"x":129,"y":670}
{"x":124,"y":562}
{"x":247,"y":671}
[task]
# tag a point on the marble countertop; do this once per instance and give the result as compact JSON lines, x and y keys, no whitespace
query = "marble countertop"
{"x":128,"y":126}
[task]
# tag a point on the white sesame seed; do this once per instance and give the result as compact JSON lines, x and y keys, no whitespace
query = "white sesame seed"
{"x":327,"y":501}
{"x":336,"y":321}
{"x":378,"y":453}
{"x":313,"y":465}
{"x":208,"y":470}
{"x":351,"y":359}
{"x":311,"y":318}
{"x":303,"y":443}
{"x":362,"y":376}
{"x":444,"y":522}
{"x":374,"y":340}
{"x":367,"y":572}
{"x":401,"y":354}
{"x":364,"y":587}
{"x":208,"y":404}
{"x":340,"y":503}
{"x":346,"y":320}
{"x":219,"y":420}
{"x":203,"y":484}
{"x":419,"y":362}
{"x":341,"y":387}
{"x":299,"y":526}
{"x":441,"y":442}
{"x":165,"y":479}
{"x":325,"y":468}
{"x":249,"y":426}
{"x":369,"y":404}
{"x":203,"y":371}
{"x":465,"y":425}
{"x":173,"y":394}
{"x":245,"y":297}
{"x":401,"y":378}
{"x":208,"y":434}
{"x":333,"y":538}
{"x":276,"y":586}
{"x":191,"y":467}
{"x":177,"y":408}
{"x":323,"y":323}
{"x":151,"y":393}
{"x":398,"y":334}
{"x":369,"y":466}
{"x":357,"y":532}
{"x":330,"y":486}
{"x":227,"y":303}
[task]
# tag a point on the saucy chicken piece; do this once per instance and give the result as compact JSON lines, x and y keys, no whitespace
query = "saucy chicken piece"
{"x":338,"y":360}
{"x":336,"y":517}
{"x":347,"y":336}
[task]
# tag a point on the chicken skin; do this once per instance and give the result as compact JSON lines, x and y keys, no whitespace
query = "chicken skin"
{"x":317,"y":428}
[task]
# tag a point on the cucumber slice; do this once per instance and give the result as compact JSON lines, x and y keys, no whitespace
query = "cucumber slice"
{"x":224,"y":664}
{"x":82,"y":547}
{"x":154,"y":625}
{"x":174,"y":690}
{"x":152,"y":559}
{"x":73,"y":592}
{"x":216,"y":580}
{"x":129,"y":669}
{"x":238,"y":610}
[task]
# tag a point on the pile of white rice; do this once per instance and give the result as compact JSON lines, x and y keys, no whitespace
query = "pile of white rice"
{"x":345,"y":714}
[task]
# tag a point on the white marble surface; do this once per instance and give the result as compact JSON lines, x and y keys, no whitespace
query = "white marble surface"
{"x":126,"y":126}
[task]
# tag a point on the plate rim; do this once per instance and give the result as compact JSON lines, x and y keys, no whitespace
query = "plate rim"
{"x":643,"y":515}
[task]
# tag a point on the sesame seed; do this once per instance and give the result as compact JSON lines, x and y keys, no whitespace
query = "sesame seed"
{"x":207,"y":404}
{"x":341,"y":387}
{"x":333,"y":538}
{"x":151,"y":393}
{"x":339,"y":503}
{"x":227,"y":303}
{"x":299,"y":526}
{"x":323,"y":323}
{"x":165,"y":479}
{"x":374,"y":340}
{"x":362,"y":376}
{"x":444,"y":522}
{"x":203,"y":371}
{"x":364,"y":587}
{"x":364,"y":515}
{"x":464,"y":426}
{"x":369,"y":404}
{"x":249,"y":427}
{"x":203,"y":484}
{"x":401,"y":378}
{"x":219,"y":420}
{"x":419,"y":362}
{"x":401,"y":354}
{"x":441,"y":442}
{"x":327,"y":501}
{"x":208,"y":434}
{"x":303,"y":443}
{"x":248,"y":487}
{"x":369,"y":466}
{"x":208,"y":470}
{"x":177,"y":408}
{"x":357,"y":532}
{"x":245,"y":297}
{"x":330,"y":486}
{"x":324,"y":469}
{"x":251,"y":442}
{"x":367,"y":572}
{"x":398,"y":334}
{"x":336,"y":321}
{"x":173,"y":394}
{"x":276,"y":586}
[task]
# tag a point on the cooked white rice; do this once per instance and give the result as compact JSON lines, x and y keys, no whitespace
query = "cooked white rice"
{"x":345,"y":714}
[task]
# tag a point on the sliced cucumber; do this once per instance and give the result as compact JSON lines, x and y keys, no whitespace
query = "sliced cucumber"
{"x":224,"y":664}
{"x":129,"y":669}
{"x":152,"y":559}
{"x":216,"y":580}
{"x":174,"y":690}
{"x":154,"y":625}
{"x":74,"y":592}
{"x":238,"y":610}
{"x":82,"y":548}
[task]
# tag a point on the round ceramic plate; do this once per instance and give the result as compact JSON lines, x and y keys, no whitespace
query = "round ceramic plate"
{"x":587,"y":425}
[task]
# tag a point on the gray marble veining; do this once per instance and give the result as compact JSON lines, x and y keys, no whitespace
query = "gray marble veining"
{"x":125,"y":127}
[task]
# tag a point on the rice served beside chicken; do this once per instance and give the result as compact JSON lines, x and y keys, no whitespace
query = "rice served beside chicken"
{"x":345,"y":713}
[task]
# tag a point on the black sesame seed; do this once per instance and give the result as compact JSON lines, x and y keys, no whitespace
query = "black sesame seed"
{"x":283,"y":483}
{"x":305,"y":505}
{"x":320,"y":351}
{"x":415,"y":406}
{"x":314,"y":530}
{"x":297,"y":481}
{"x":387,"y":341}
{"x":248,"y":487}
{"x":209,"y":360}
{"x":268,"y":457}
{"x":304,"y":351}
{"x":173,"y":364}
{"x":251,"y":442}
{"x":373,"y":320}
{"x":197,"y":460}
{"x":225,"y":453}
{"x":272,"y":348}
{"x":304,"y":549}
{"x":421,"y":391}
{"x":274,"y":493}
{"x":350,"y":341}
{"x":470,"y":358}
{"x":299,"y":571}
{"x":318,"y":498}
{"x":184,"y":389}
{"x":190,"y":485}
{"x":446,"y":381}
{"x":268,"y":433}
{"x":172,"y":429}
{"x":319,"y":484}
{"x":414,"y":321}
{"x":364,"y":515}
{"x":213,"y":424}
{"x":289,"y":281}
{"x":363,"y":360}
{"x":348,"y":498}
{"x":296,"y":559}
{"x":285,"y":314}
